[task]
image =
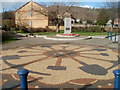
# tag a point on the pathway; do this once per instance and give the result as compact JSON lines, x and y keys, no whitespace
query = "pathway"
{"x":60,"y":64}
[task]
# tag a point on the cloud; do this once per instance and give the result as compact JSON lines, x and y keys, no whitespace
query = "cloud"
{"x":86,"y":6}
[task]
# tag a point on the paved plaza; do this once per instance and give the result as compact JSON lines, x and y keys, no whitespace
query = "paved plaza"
{"x":60,"y":64}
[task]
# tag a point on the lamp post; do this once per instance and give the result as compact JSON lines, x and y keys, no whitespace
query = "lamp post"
{"x":31,"y":33}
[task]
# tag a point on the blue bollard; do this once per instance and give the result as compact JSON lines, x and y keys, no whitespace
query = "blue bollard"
{"x":115,"y":37}
{"x":110,"y":35}
{"x":23,"y":73}
{"x":117,"y":79}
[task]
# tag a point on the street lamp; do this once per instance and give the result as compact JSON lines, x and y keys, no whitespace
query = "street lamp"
{"x":31,"y":33}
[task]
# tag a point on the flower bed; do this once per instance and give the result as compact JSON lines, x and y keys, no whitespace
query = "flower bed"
{"x":67,"y":35}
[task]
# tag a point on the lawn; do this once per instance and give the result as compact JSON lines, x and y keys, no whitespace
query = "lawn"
{"x":82,"y":33}
{"x":7,"y":37}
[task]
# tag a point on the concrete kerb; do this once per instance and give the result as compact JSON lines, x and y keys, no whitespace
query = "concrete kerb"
{"x":55,"y":38}
{"x":97,"y":36}
{"x":51,"y":38}
{"x":66,"y":39}
{"x":87,"y":37}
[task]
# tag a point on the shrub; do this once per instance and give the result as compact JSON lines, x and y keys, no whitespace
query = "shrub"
{"x":13,"y":30}
{"x":96,"y":29}
{"x":28,"y":30}
{"x":6,"y":36}
{"x":24,"y":29}
{"x":114,"y":29}
{"x":7,"y":24}
{"x":89,"y":29}
{"x":36,"y":30}
{"x":78,"y":29}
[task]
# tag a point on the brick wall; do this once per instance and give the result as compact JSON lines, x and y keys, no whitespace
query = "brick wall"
{"x":24,"y":17}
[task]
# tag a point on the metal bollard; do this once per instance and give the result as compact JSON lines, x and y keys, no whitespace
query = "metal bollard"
{"x":110,"y":35}
{"x":23,"y":73}
{"x":117,"y":79}
{"x":115,"y":37}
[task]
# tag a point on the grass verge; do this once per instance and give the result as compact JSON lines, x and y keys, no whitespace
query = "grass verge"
{"x":82,"y":33}
{"x":7,"y":37}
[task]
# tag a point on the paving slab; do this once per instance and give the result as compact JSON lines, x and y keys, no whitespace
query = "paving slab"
{"x":60,"y":64}
{"x":31,"y":41}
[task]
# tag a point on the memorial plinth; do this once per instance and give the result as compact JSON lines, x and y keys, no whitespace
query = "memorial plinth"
{"x":67,"y":29}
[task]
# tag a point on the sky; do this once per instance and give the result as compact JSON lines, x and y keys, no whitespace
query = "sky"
{"x":92,"y":4}
{"x":11,"y":4}
{"x":61,"y":0}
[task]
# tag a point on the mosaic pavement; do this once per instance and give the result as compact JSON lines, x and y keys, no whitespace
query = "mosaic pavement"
{"x":60,"y":65}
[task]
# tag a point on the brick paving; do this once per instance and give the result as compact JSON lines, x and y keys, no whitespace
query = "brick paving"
{"x":62,"y":65}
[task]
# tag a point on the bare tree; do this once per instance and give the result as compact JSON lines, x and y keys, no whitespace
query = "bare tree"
{"x":56,"y":12}
{"x":7,"y":17}
{"x":113,"y":10}
{"x":102,"y":17}
{"x":9,"y":14}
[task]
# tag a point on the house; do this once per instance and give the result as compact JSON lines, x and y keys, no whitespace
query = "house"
{"x":116,"y":22}
{"x":109,"y":23}
{"x":31,"y":15}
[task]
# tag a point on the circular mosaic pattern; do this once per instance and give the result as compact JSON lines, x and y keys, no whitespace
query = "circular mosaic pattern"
{"x":65,"y":63}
